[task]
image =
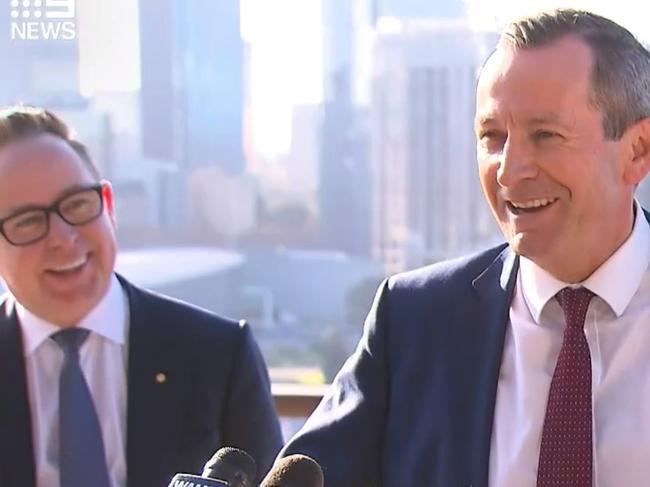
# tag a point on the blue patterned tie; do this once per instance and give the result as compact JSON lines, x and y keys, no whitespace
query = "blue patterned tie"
{"x":82,"y":461}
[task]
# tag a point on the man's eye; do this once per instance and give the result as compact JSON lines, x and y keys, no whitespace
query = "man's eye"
{"x":74,"y":204}
{"x":491,"y":139}
{"x":545,"y":134}
{"x":28,"y":220}
{"x":489,"y":134}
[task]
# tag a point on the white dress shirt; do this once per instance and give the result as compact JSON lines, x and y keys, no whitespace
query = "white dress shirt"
{"x":617,"y":327}
{"x":103,"y":361}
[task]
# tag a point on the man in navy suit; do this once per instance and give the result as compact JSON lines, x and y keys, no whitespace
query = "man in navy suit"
{"x":462,"y":365}
{"x":170,"y":383}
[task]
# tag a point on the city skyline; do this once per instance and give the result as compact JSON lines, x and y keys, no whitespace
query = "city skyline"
{"x":340,"y":190}
{"x":104,"y":19}
{"x":285,"y":73}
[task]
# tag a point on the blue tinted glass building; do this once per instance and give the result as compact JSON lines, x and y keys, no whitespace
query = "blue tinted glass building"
{"x":192,"y":65}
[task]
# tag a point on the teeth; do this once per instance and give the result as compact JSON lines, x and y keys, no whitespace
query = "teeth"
{"x":78,"y":263}
{"x":533,"y":203}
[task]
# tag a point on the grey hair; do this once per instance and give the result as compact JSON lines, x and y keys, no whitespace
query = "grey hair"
{"x":621,"y":72}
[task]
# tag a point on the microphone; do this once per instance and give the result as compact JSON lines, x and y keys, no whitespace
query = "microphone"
{"x":187,"y":480}
{"x":230,"y":467}
{"x":233,"y":465}
{"x":295,"y":471}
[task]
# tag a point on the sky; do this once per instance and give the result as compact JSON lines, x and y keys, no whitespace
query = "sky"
{"x":286,"y":47}
{"x":631,"y":14}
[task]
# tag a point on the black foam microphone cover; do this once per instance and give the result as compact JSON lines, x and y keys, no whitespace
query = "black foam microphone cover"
{"x":295,"y":471}
{"x":232,"y":465}
{"x":229,"y":467}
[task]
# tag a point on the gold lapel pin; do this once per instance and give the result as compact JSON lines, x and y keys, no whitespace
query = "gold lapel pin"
{"x":161,"y":378}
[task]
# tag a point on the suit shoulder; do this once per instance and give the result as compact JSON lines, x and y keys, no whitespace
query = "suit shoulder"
{"x":453,"y":275}
{"x":180,"y":315}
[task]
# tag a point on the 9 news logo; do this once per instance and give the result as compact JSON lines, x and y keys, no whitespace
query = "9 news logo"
{"x":42,"y":20}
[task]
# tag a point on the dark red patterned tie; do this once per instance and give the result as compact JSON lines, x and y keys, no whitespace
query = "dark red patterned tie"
{"x":565,"y":457}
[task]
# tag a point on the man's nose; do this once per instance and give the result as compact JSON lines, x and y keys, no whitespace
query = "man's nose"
{"x":60,"y":232}
{"x":516,"y":163}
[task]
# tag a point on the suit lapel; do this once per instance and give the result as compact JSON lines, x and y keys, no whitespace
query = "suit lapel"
{"x":488,"y":321}
{"x":16,"y":449}
{"x":154,"y":414}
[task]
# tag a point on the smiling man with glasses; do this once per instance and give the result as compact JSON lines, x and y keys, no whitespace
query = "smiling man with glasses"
{"x":94,"y":390}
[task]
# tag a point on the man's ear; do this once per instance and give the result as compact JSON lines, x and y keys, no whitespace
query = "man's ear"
{"x":109,"y":201}
{"x":638,"y":166}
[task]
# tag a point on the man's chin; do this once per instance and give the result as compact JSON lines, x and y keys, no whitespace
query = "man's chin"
{"x":526,"y":246}
{"x":57,"y":313}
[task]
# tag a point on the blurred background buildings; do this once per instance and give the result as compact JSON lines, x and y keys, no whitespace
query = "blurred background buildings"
{"x":274,"y":160}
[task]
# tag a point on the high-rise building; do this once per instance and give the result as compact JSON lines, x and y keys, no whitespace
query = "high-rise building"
{"x":427,"y":200}
{"x":192,"y":105}
{"x":302,"y":160}
{"x":344,"y":189}
{"x":192,"y":69}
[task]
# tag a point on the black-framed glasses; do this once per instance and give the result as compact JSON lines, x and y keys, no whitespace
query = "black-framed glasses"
{"x":32,"y":224}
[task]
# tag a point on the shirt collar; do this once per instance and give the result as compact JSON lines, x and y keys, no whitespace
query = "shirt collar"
{"x":615,"y":281}
{"x":108,"y":319}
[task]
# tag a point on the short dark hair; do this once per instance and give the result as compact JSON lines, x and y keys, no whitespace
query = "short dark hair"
{"x":20,"y":122}
{"x":621,"y":73}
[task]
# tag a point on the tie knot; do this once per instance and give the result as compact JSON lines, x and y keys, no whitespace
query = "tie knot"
{"x":574,"y":303}
{"x":70,"y":339}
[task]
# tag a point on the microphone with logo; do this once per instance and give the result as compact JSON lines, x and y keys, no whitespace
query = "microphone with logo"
{"x":230,"y":467}
{"x":295,"y":471}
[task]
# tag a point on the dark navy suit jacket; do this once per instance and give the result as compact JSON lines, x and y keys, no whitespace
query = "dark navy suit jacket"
{"x":216,"y":393}
{"x":413,"y":406}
